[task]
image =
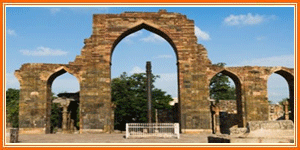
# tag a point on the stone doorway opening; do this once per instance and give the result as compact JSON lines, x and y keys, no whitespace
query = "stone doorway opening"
{"x":228,"y":100}
{"x":144,"y":43}
{"x":284,"y":76}
{"x":63,"y":91}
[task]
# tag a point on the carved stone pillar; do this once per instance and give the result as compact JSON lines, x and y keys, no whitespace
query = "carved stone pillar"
{"x":217,"y":119}
{"x":64,"y":103}
{"x":65,"y":117}
{"x":286,"y":110}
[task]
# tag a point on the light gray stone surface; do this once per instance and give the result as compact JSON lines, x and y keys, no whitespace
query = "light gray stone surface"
{"x":107,"y":138}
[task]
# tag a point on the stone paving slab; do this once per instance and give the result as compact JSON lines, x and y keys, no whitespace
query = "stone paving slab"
{"x":106,"y":138}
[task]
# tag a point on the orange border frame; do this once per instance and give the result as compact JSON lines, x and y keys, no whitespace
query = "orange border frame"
{"x":151,"y":2}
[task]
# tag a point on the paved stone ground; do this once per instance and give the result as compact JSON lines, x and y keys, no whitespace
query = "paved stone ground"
{"x":107,"y":138}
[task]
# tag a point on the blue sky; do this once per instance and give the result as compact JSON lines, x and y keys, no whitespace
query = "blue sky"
{"x":238,"y":36}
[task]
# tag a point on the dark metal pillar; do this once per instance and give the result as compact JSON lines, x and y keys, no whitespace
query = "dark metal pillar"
{"x":149,"y":90}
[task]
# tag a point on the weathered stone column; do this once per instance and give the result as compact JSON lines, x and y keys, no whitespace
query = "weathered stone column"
{"x":217,"y":120}
{"x":65,"y":119}
{"x":95,"y":98}
{"x":255,"y":94}
{"x":33,"y":101}
{"x":216,"y":117}
{"x":71,"y":126}
{"x":113,"y":107}
{"x":286,"y":110}
{"x":64,"y":103}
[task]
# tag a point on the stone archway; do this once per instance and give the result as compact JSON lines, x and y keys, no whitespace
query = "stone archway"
{"x":92,"y":68}
{"x":109,"y":29}
{"x":289,"y":77}
{"x":35,"y":95}
{"x":143,"y":27}
{"x":58,"y":72}
{"x":240,"y":118}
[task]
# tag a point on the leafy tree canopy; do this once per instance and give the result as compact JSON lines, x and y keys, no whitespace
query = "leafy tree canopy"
{"x":129,"y":93}
{"x":220,"y":88}
{"x":12,"y":107}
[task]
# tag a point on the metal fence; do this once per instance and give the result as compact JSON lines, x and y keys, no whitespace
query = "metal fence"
{"x":149,"y":130}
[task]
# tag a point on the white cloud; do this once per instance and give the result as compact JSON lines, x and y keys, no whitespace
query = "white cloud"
{"x":201,"y":34}
{"x":153,"y":38}
{"x":128,"y":38}
{"x":137,"y":69}
{"x":248,"y":19}
{"x":54,"y":10}
{"x":284,"y":60}
{"x":11,"y":32}
{"x":163,"y":57}
{"x":135,"y":34}
{"x":43,"y":51}
{"x":12,"y":81}
{"x":260,"y":38}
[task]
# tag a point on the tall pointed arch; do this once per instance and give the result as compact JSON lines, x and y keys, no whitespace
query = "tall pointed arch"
{"x":57,"y":72}
{"x":289,"y":77}
{"x":146,"y":26}
{"x":153,"y":30}
{"x":241,"y":122}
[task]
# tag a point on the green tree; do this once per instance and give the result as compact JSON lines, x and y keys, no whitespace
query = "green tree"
{"x":220,"y":88}
{"x":55,"y":116}
{"x":130,"y":96}
{"x":12,"y":107}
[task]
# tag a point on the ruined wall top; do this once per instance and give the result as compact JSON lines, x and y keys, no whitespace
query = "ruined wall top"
{"x":110,"y":29}
{"x":162,"y":13}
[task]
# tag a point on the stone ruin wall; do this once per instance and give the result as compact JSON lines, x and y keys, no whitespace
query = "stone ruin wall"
{"x":229,"y":118}
{"x":92,"y":70}
{"x":228,"y":106}
{"x":276,"y":112}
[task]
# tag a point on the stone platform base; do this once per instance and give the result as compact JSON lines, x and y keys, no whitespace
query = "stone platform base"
{"x":196,"y":131}
{"x":32,"y":130}
{"x":96,"y":131}
{"x":281,"y":131}
{"x":262,"y":140}
{"x":228,"y":139}
{"x":91,"y":131}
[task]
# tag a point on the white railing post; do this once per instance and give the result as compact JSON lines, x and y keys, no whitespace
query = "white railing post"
{"x":127,"y":131}
{"x":176,"y":130}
